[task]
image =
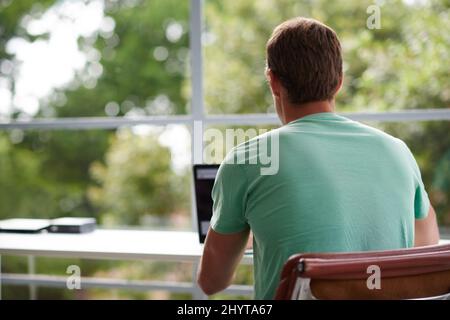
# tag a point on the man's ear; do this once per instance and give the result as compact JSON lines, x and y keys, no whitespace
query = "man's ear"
{"x":339,"y":86}
{"x":274,"y":83}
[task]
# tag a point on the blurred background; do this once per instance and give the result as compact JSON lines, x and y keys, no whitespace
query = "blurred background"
{"x":130,"y":58}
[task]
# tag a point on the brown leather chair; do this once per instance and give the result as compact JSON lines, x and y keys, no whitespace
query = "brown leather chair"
{"x":414,"y":273}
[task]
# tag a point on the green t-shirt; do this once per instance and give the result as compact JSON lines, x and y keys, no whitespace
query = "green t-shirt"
{"x":340,"y":186}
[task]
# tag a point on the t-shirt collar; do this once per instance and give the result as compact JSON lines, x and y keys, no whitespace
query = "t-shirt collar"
{"x":318,"y":116}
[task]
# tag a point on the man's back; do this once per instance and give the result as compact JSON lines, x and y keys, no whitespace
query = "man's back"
{"x":341,"y":186}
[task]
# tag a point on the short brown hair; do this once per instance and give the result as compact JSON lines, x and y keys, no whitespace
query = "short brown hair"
{"x":306,"y":56}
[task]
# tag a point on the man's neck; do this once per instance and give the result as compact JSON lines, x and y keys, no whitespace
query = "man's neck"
{"x":294,"y":112}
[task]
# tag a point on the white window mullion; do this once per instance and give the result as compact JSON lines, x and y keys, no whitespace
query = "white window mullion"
{"x":197,"y":105}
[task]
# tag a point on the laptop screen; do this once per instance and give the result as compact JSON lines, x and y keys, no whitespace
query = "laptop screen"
{"x":204,"y":176}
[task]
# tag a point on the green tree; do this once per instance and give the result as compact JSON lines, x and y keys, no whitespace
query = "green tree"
{"x":384,"y":68}
{"x":144,"y":58}
{"x":136,"y":181}
{"x":143,"y":66}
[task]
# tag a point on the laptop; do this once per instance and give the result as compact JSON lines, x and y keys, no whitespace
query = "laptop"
{"x":204,"y":177}
{"x":24,"y":225}
{"x":60,"y":225}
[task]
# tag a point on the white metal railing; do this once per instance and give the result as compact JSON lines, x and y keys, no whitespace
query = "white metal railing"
{"x":36,"y":280}
{"x":88,"y":123}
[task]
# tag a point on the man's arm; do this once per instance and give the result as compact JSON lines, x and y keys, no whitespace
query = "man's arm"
{"x":221,"y":255}
{"x":426,"y":230}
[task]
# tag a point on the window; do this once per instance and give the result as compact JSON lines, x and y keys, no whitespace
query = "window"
{"x":126,"y":63}
{"x":153,"y":67}
{"x":96,"y":58}
{"x":103,"y":103}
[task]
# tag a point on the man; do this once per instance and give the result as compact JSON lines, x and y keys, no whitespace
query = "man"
{"x":340,"y":186}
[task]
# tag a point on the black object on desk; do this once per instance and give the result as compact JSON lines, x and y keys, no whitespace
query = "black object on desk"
{"x":73,"y":225}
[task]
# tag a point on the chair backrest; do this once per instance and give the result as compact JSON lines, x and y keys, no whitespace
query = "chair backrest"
{"x":413,"y":273}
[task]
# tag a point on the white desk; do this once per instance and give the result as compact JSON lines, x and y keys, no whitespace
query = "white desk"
{"x":109,"y":244}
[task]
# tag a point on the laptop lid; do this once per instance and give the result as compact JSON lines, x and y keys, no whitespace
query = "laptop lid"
{"x":20,"y":225}
{"x":204,"y":177}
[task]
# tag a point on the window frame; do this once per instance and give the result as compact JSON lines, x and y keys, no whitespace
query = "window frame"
{"x":198,"y":115}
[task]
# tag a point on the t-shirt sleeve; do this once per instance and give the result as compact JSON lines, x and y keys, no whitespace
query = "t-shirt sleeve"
{"x":229,"y":196}
{"x":421,"y":201}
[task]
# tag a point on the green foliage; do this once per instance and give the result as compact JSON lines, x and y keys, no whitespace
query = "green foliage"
{"x":11,"y":13}
{"x":132,"y":76}
{"x":47,"y":174}
{"x":384,"y":68}
{"x":136,"y":180}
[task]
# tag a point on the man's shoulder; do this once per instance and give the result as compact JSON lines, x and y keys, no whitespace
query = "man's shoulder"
{"x":256,"y":156}
{"x":252,"y":144}
{"x":382,"y":135}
